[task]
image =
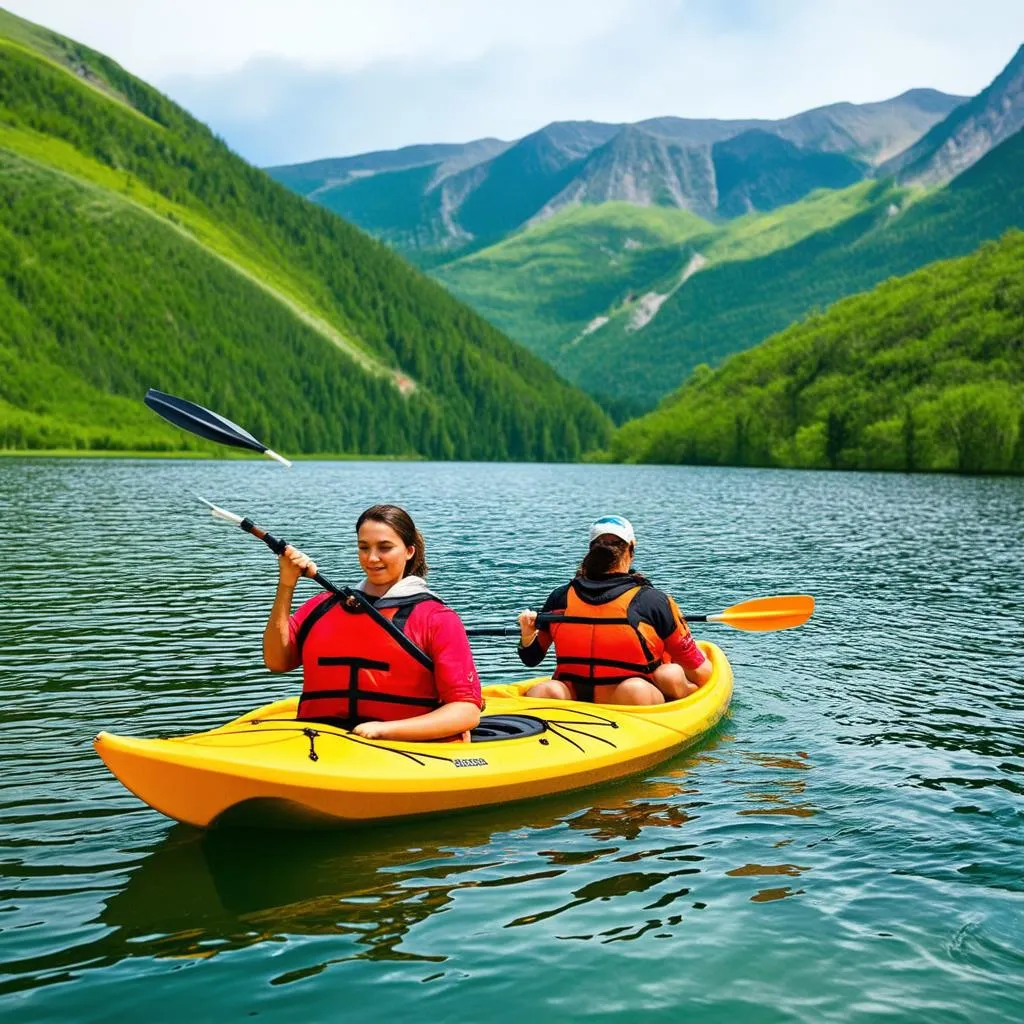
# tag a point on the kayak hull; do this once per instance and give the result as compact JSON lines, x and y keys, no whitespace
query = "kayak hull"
{"x":267,"y":769}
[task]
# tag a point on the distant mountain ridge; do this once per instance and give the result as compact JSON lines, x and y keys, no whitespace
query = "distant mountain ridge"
{"x":698,"y":238}
{"x":734,"y":305}
{"x":434,"y":202}
{"x":967,"y":134}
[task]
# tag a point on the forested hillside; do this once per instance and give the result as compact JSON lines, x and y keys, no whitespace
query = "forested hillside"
{"x":924,"y":372}
{"x":137,"y":250}
{"x":543,"y":286}
{"x":734,"y":305}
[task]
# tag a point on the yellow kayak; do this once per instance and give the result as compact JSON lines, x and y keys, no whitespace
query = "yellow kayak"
{"x":266,"y":768}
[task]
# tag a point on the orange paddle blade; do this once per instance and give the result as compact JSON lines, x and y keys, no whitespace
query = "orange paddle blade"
{"x":764,"y":614}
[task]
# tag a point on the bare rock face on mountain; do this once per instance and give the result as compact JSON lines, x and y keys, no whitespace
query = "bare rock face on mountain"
{"x":967,"y":134}
{"x":637,"y":167}
{"x":755,"y":170}
{"x":872,"y":132}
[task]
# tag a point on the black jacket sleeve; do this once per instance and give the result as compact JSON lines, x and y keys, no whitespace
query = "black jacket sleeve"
{"x":653,"y":606}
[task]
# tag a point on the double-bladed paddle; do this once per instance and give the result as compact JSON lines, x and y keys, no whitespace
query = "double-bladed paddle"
{"x":204,"y":423}
{"x":759,"y":615}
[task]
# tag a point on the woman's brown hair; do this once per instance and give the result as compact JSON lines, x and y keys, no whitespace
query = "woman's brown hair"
{"x":605,"y":553}
{"x":401,"y":522}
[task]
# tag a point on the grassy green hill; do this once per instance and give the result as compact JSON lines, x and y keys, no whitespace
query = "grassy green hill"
{"x":544,"y":285}
{"x":138,"y":251}
{"x":555,"y":283}
{"x":735,"y":305}
{"x":924,"y":372}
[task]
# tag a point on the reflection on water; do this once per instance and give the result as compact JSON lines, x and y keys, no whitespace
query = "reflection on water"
{"x":858,"y":817}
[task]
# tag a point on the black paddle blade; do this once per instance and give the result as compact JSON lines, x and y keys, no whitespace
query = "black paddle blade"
{"x":202,"y":422}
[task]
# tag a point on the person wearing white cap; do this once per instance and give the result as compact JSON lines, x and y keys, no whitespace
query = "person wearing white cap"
{"x":617,"y":639}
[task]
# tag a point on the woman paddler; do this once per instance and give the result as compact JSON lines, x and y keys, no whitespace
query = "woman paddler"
{"x":400,"y":669}
{"x":617,"y":639}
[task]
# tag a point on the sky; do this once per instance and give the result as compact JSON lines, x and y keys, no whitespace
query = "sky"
{"x":285,"y":82}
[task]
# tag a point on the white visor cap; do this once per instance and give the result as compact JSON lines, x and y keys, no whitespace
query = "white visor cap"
{"x":617,"y":526}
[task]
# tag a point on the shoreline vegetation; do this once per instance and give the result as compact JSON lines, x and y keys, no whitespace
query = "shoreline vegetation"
{"x":136,"y":250}
{"x":922,"y":373}
{"x":203,"y":456}
{"x":590,"y":458}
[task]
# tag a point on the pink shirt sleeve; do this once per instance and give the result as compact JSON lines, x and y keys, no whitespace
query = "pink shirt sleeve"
{"x":680,"y":646}
{"x":438,"y":630}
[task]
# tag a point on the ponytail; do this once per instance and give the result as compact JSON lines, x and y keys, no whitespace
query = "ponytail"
{"x":605,"y":553}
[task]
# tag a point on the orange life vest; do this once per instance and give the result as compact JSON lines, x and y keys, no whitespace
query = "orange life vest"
{"x":602,"y":644}
{"x":356,"y":670}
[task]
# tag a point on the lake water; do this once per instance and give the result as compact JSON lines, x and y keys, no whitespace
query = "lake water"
{"x":848,"y":846}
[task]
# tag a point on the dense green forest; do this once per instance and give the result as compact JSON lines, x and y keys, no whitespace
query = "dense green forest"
{"x":136,"y":250}
{"x":924,"y":372}
{"x":732,"y":306}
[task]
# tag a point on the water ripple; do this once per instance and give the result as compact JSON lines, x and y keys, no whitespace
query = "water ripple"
{"x":848,"y":845}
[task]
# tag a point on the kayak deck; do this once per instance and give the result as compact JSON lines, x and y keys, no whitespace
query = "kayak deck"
{"x":267,"y":768}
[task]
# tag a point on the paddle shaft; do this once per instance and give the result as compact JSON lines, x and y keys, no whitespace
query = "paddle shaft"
{"x":277,"y":546}
{"x":758,"y":615}
{"x":543,"y":620}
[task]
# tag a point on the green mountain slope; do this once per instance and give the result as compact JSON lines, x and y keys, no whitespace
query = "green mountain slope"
{"x":759,"y":171}
{"x":733,"y":306}
{"x":554,"y":284}
{"x":924,"y":372}
{"x":544,"y":285}
{"x":138,"y":250}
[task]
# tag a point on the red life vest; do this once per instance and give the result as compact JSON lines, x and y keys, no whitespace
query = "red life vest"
{"x":603,"y":644}
{"x":355,"y":670}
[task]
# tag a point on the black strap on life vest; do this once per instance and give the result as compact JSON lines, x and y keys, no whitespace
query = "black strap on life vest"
{"x":632,"y":668}
{"x":592,"y":620}
{"x":353,"y":693}
{"x":389,"y":627}
{"x":313,"y":618}
{"x":394,"y":629}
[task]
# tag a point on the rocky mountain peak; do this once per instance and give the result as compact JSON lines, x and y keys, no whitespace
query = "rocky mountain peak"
{"x":968,"y":133}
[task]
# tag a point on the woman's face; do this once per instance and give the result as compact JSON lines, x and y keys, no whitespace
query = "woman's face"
{"x":382,"y":554}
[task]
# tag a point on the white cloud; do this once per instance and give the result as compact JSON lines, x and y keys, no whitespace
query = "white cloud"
{"x":291,"y":82}
{"x":155,"y":39}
